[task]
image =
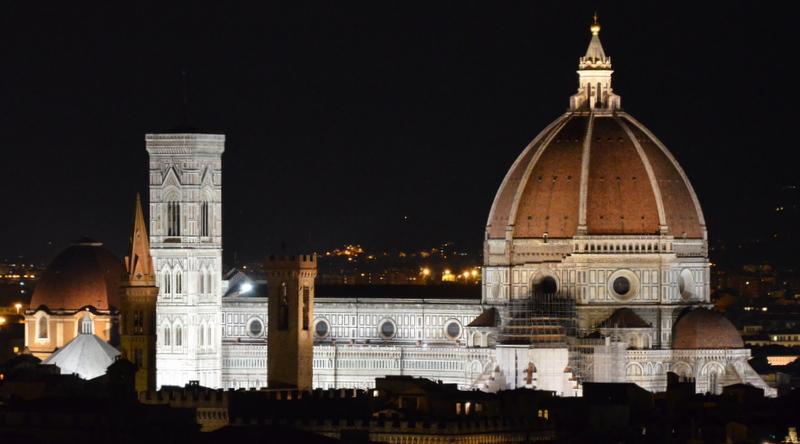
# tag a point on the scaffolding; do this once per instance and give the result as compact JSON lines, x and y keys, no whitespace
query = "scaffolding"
{"x":544,"y":320}
{"x":550,"y":320}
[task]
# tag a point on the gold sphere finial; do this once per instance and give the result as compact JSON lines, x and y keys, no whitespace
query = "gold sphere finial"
{"x":596,"y":26}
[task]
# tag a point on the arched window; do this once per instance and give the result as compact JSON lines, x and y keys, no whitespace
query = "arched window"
{"x":167,"y":336}
{"x":712,"y":382}
{"x":173,"y":217}
{"x":167,"y":283}
{"x":202,"y":282}
{"x":202,"y":335}
{"x":178,"y":336}
{"x":178,"y":282}
{"x":43,"y":328}
{"x":205,"y":219}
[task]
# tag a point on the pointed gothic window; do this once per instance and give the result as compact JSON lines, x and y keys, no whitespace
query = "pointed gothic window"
{"x":167,"y":283}
{"x":178,"y":282}
{"x":178,"y":336}
{"x":205,"y":219}
{"x":167,"y":336}
{"x":173,"y":218}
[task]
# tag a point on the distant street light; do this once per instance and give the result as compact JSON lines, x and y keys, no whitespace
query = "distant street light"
{"x":17,"y":306}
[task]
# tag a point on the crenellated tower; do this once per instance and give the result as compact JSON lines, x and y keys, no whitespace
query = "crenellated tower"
{"x":186,"y":244}
{"x":138,"y":295}
{"x":291,"y":312}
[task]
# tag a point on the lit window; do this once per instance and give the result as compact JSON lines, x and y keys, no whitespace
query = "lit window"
{"x":42,"y":328}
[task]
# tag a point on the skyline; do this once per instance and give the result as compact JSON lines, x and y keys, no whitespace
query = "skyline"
{"x":381,"y":124}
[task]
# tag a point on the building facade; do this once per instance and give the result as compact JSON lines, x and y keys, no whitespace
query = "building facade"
{"x":186,"y":246}
{"x":596,"y":269}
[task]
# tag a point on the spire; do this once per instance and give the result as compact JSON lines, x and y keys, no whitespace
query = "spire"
{"x":594,"y":84}
{"x":139,"y":265}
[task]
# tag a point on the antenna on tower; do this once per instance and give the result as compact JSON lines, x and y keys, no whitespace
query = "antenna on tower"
{"x":185,"y":113}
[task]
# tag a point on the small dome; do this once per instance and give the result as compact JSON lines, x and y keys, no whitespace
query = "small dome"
{"x":86,"y":273}
{"x":705,"y":329}
{"x":624,"y":318}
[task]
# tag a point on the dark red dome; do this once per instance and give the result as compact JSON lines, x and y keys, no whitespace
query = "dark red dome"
{"x":705,"y":329}
{"x":628,"y":181}
{"x":86,"y":273}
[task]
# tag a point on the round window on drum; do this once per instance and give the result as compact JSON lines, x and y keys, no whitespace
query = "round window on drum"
{"x":322,"y":329}
{"x":623,"y":285}
{"x":452,"y":329}
{"x":255,"y":328}
{"x":387,"y":329}
{"x":686,"y":285}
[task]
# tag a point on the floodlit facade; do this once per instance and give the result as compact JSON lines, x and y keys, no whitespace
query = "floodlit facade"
{"x":595,"y":270}
{"x":186,"y":246}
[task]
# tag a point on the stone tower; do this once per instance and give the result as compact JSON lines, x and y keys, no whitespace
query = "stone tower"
{"x":291,"y":312}
{"x":186,"y":245}
{"x":138,"y":306}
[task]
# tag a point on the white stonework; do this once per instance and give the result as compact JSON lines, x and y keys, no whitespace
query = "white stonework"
{"x":186,"y":246}
{"x":622,"y":291}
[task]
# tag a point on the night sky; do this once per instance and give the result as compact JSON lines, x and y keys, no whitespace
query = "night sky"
{"x":385,"y":124}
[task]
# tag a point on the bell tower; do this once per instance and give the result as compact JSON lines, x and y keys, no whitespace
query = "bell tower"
{"x":186,"y":244}
{"x":291,"y":312}
{"x":138,"y":306}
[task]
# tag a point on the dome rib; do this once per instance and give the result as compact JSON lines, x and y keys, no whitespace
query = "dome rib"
{"x":584,"y":192}
{"x":546,"y":200}
{"x":662,"y":218}
{"x":619,"y":199}
{"x":629,"y":184}
{"x":504,"y":206}
{"x":697,"y":230}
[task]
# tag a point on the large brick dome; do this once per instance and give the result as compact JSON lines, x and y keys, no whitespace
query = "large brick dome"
{"x":595,"y":171}
{"x":84,"y":274}
{"x":606,"y":173}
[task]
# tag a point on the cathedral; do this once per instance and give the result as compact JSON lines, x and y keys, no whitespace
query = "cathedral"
{"x":595,"y":270}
